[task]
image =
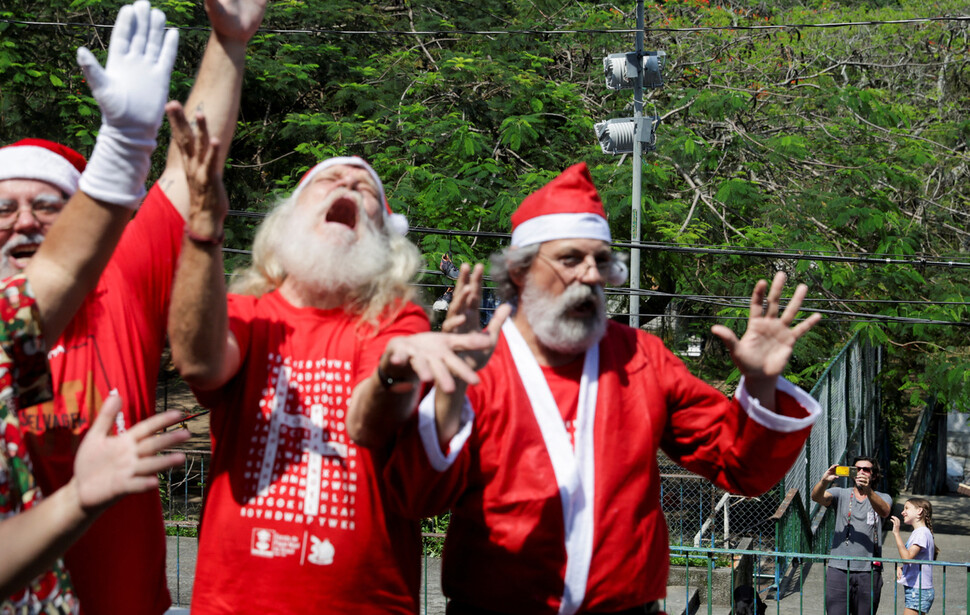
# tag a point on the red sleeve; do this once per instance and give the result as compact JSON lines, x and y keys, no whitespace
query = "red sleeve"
{"x":416,"y":489}
{"x":714,"y":436}
{"x":148,"y":254}
{"x":423,"y":481}
{"x":409,"y":320}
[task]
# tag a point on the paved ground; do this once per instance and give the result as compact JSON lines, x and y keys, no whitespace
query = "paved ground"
{"x":952,"y":529}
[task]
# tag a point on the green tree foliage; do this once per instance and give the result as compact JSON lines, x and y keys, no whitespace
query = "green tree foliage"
{"x":850,"y":141}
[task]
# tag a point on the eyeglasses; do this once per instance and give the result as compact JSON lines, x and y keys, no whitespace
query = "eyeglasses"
{"x":45,"y":211}
{"x":572,"y":267}
{"x":866,"y":469}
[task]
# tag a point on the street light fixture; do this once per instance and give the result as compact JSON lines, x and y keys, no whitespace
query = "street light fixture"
{"x":620,"y":69}
{"x":633,"y":135}
{"x":616,"y":136}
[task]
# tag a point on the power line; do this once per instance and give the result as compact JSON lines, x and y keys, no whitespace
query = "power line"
{"x":956,"y":262}
{"x":531,"y":32}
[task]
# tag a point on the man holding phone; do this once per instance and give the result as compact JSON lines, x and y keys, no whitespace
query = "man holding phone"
{"x":859,"y":512}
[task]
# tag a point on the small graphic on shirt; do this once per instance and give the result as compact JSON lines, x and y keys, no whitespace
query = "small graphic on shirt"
{"x":321,"y":552}
{"x":269,"y":543}
{"x":300,"y":466}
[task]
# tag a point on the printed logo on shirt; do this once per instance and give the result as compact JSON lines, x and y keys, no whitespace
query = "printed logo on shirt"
{"x":272,"y":544}
{"x":321,"y":552}
{"x":300,"y":466}
{"x":269,"y":543}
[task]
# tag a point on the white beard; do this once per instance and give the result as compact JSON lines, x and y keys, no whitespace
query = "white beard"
{"x":335,"y":260}
{"x":556,"y":330}
{"x":7,"y":268}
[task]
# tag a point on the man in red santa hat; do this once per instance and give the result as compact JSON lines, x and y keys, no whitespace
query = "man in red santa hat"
{"x":549,"y":464}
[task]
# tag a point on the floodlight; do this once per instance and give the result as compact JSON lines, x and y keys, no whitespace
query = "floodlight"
{"x":653,"y":67}
{"x":620,"y":69}
{"x":616,"y":136}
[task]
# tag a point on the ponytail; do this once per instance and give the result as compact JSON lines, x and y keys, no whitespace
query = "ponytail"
{"x":927,"y":518}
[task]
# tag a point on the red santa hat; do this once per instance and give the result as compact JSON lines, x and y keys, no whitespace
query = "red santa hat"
{"x":396,"y":222}
{"x":42,"y":160}
{"x":568,"y":207}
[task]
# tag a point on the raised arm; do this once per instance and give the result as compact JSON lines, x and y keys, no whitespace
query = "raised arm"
{"x":131,"y":91}
{"x":105,"y":469}
{"x":217,"y":87}
{"x":904,"y":553}
{"x":203,"y":349}
{"x":820,"y":492}
{"x":763,"y":351}
{"x":381,"y":403}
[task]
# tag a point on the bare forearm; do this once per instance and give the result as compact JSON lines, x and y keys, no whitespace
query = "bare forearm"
{"x":376,"y":413}
{"x":447,"y":409}
{"x":198,"y":324}
{"x":33,"y":540}
{"x":818,"y":492}
{"x":901,"y":547}
{"x":878,"y":504}
{"x":71,"y":258}
{"x":762,"y":389}
{"x":216,"y":93}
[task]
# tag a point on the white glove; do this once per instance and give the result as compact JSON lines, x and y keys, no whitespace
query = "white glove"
{"x":131,"y":90}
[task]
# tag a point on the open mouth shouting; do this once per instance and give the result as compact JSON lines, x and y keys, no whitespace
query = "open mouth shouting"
{"x":20,"y":249}
{"x":343,"y":210}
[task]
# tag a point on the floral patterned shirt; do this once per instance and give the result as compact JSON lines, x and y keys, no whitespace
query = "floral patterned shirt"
{"x":24,"y":381}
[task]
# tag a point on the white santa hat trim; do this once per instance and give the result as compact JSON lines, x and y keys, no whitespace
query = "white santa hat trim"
{"x":38,"y":163}
{"x":397,"y":223}
{"x":560,"y":226}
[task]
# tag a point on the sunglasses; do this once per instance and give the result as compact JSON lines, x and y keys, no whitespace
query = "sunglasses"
{"x":865,"y":469}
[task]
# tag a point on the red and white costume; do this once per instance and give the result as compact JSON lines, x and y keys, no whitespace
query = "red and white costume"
{"x":540,"y":526}
{"x":296,"y":518}
{"x":552,"y":479}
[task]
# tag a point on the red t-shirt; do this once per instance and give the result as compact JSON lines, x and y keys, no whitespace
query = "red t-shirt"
{"x":295,"y":519}
{"x":114,"y":341}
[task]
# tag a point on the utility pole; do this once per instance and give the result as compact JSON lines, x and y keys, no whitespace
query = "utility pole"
{"x":637,"y":176}
{"x":637,"y":70}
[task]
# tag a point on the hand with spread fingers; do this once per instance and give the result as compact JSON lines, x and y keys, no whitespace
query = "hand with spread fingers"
{"x":109,"y":467}
{"x":235,"y":19}
{"x":763,"y":351}
{"x":131,"y":90}
{"x":462,"y":347}
{"x":463,"y":314}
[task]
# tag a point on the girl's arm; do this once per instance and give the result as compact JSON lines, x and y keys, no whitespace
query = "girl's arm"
{"x":904,"y":553}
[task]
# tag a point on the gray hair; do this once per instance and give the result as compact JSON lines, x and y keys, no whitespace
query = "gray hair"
{"x":511,"y":261}
{"x":515,"y":261}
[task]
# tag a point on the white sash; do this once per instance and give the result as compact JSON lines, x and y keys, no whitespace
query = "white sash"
{"x":574,"y":470}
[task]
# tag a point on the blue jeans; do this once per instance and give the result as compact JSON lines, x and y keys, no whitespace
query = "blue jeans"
{"x":919,"y":599}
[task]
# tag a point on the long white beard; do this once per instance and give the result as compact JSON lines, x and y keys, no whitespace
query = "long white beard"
{"x":554,"y":328}
{"x":7,"y":269}
{"x":334,"y":261}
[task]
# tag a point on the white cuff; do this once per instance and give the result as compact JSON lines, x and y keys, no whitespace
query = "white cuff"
{"x":118,"y":168}
{"x":428,"y":428}
{"x":773,"y":420}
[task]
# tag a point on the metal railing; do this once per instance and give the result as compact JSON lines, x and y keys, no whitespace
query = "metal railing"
{"x":712,"y":578}
{"x":850,"y":400}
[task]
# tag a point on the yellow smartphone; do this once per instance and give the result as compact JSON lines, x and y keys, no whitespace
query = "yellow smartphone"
{"x":845,"y":471}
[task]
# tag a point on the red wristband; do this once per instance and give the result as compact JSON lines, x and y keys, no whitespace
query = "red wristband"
{"x":206,"y":241}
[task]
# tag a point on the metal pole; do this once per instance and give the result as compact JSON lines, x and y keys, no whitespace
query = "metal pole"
{"x":637,"y":175}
